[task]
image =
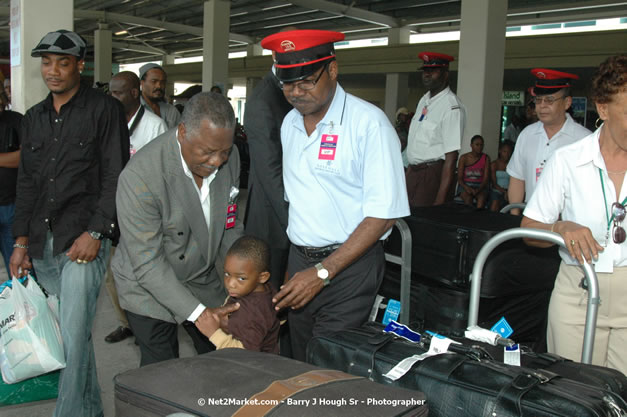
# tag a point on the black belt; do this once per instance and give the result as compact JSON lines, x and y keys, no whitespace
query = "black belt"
{"x":424,"y":165}
{"x":317,"y":253}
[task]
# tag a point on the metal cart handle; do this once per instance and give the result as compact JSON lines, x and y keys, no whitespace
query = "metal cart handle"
{"x":511,"y":206}
{"x":405,"y":262}
{"x":591,"y":277}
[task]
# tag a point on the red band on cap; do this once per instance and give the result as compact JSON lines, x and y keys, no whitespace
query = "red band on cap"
{"x":302,"y":64}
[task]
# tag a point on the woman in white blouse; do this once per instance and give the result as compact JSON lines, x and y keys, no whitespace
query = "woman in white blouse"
{"x":582,"y":196}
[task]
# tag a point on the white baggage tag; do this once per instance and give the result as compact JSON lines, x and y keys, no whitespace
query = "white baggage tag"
{"x":511,"y":355}
{"x":438,"y":345}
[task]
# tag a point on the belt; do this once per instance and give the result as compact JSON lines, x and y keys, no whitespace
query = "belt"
{"x":317,"y":253}
{"x":425,"y":165}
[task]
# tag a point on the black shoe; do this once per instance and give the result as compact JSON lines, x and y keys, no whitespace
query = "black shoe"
{"x":119,"y":334}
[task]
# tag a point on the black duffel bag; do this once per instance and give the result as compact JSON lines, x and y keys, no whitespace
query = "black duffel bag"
{"x":465,"y":383}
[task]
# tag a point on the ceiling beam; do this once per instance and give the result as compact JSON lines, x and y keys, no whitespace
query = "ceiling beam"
{"x":103,"y":16}
{"x":348,"y":11}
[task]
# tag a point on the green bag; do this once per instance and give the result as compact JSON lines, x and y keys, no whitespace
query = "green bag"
{"x":43,"y":387}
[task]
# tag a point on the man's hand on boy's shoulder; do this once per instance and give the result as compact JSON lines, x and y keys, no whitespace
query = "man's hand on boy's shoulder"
{"x":209,"y":320}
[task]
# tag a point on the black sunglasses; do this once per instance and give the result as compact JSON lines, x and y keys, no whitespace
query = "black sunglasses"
{"x":618,"y":233}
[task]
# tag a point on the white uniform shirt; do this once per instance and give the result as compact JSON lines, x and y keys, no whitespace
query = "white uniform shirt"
{"x":205,"y":203}
{"x":571,"y":185}
{"x":349,"y":168}
{"x":150,"y":126}
{"x":437,"y":127}
{"x":534,"y":148}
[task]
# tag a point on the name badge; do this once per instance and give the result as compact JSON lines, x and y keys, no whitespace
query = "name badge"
{"x":231,"y":215}
{"x":539,"y":172}
{"x":328,"y":146}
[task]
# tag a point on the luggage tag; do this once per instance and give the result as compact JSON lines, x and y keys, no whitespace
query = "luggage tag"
{"x":231,"y":208}
{"x":511,"y":355}
{"x":392,"y":312}
{"x":402,"y":331}
{"x":439,"y":344}
{"x":503,"y":328}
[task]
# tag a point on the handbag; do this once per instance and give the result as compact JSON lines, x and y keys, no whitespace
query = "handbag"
{"x":30,"y":338}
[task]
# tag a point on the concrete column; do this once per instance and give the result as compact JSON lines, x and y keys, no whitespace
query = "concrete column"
{"x":169,"y":87}
{"x":102,"y":53}
{"x":254,"y":49}
{"x":30,"y":21}
{"x":396,"y":84}
{"x":481,"y":65}
{"x":216,"y":26}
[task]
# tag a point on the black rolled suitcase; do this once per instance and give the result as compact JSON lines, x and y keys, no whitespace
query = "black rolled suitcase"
{"x":237,"y":382}
{"x":465,"y":384}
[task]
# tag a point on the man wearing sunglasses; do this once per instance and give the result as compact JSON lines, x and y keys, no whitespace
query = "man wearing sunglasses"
{"x":537,"y":142}
{"x":344,"y":182}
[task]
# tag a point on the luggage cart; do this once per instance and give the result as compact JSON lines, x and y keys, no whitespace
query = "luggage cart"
{"x":590,"y":275}
{"x":405,"y":262}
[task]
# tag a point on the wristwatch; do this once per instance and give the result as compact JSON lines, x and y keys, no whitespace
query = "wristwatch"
{"x":323,"y":274}
{"x":95,"y":235}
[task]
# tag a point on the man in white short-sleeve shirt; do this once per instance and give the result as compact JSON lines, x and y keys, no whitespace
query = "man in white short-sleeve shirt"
{"x":344,"y":182}
{"x":537,"y":142}
{"x":435,"y":135}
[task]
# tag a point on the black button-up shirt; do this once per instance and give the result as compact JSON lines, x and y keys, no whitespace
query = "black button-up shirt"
{"x":69,"y":168}
{"x":9,"y":142}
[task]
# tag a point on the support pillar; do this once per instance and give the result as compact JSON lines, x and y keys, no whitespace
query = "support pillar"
{"x":216,"y":27}
{"x":30,"y":21}
{"x":481,"y":66}
{"x":169,"y":87}
{"x":396,"y":84}
{"x":102,"y":53}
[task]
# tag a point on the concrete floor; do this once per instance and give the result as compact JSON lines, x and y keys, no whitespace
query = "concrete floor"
{"x":111,"y":359}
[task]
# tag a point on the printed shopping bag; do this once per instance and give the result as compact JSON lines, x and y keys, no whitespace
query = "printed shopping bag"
{"x":30,"y":339}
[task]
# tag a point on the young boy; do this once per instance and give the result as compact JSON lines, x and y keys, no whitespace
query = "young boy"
{"x":254,"y":326}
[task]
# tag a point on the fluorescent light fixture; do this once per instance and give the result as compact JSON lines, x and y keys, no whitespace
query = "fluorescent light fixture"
{"x":121,"y":32}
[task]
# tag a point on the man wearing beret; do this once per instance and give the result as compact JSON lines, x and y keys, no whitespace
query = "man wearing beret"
{"x":435,"y":135}
{"x":75,"y":144}
{"x":344,"y":182}
{"x":153,"y":80}
{"x":537,"y":142}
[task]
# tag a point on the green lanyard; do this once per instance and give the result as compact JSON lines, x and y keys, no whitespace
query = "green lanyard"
{"x":607,"y":211}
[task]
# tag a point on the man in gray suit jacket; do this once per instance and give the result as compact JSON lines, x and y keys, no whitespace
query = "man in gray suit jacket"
{"x":177,"y":209}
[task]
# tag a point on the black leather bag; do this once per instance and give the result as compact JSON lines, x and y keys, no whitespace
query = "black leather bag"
{"x":220,"y":383}
{"x":464,"y":383}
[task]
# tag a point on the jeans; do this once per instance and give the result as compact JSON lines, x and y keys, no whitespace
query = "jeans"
{"x":6,"y":234}
{"x":77,"y":286}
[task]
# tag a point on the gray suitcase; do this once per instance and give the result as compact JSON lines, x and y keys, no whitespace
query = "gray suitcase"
{"x":241,"y":383}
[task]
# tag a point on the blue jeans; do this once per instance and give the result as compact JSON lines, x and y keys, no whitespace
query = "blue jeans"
{"x":77,"y":286}
{"x":6,"y":234}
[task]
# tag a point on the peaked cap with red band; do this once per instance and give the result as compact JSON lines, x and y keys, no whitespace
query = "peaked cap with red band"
{"x":549,"y":81}
{"x":435,"y":60}
{"x":300,"y":53}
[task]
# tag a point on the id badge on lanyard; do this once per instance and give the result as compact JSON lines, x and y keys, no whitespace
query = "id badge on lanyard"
{"x":231,"y":209}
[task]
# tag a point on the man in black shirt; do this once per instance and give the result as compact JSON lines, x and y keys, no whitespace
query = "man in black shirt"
{"x":9,"y":159}
{"x":74,"y":146}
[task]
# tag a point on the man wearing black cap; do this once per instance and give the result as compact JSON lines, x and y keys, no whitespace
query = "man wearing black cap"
{"x":435,"y":135}
{"x":344,"y":182}
{"x":153,"y":80}
{"x":75,"y":144}
{"x":537,"y":142}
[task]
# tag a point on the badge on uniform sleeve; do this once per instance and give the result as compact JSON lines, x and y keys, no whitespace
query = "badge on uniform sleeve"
{"x":328,"y":146}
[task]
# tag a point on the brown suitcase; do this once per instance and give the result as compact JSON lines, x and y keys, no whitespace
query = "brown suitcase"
{"x":241,"y":383}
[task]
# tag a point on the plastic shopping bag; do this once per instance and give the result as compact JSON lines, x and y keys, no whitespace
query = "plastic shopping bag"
{"x":30,"y":339}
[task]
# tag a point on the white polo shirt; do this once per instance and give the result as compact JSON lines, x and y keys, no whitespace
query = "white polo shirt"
{"x":437,"y":127}
{"x":571,"y":186}
{"x":534,"y":148}
{"x":349,"y":168}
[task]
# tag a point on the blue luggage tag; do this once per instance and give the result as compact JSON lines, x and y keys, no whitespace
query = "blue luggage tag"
{"x":503,"y":328}
{"x":392,"y":311}
{"x":402,"y":331}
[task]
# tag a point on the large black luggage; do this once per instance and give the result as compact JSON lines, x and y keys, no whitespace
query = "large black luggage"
{"x":517,"y":279}
{"x":249,"y":384}
{"x":466,"y":384}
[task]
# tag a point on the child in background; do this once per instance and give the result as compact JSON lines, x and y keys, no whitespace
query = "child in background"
{"x":500,"y":177}
{"x":473,"y":173}
{"x":254,"y":326}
